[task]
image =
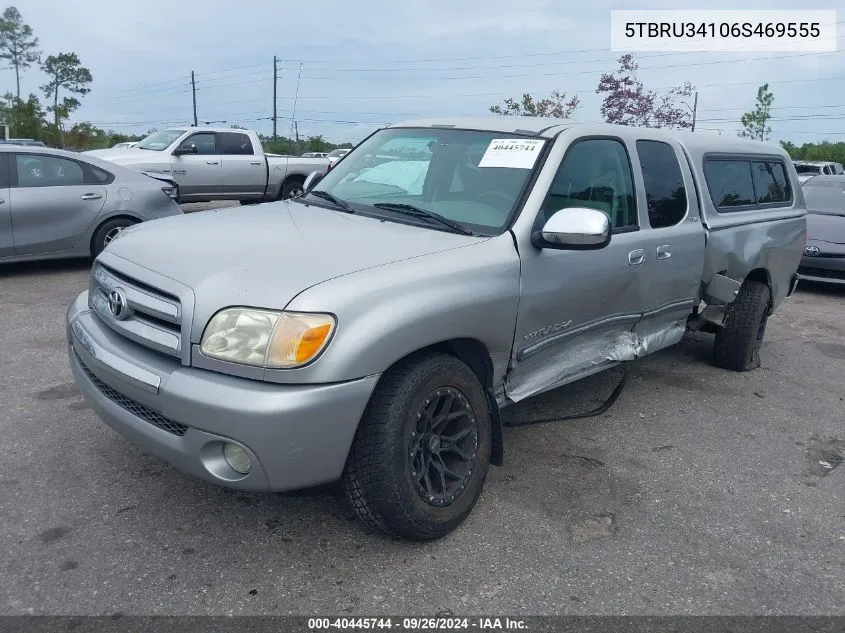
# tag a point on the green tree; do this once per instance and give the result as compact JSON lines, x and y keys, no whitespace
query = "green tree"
{"x":556,"y":106}
{"x":66,"y":72}
{"x":755,"y":124}
{"x":25,"y":118}
{"x":17,"y":44}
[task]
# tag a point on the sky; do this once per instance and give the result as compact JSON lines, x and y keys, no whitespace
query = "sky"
{"x":346,"y":68}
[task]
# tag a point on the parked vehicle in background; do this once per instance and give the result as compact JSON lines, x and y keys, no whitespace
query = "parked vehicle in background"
{"x":124,"y":145}
{"x":22,"y":141}
{"x":808,"y":168}
{"x":56,"y":204}
{"x":373,"y":329}
{"x":824,"y":254}
{"x":217,"y":164}
{"x":336,"y":155}
{"x":314,"y":155}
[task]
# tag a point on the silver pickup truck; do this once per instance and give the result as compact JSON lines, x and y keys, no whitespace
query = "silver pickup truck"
{"x":217,"y":164}
{"x":373,"y":329}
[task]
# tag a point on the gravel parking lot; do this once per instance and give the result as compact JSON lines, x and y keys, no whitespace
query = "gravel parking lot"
{"x":700,"y":492}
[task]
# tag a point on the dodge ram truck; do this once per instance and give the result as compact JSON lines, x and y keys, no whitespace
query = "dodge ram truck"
{"x":217,"y":164}
{"x":373,"y":329}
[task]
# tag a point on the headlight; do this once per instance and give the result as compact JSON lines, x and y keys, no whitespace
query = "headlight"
{"x":266,"y":338}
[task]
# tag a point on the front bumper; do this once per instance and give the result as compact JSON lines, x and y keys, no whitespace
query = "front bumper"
{"x":823,"y":269}
{"x":296,"y":435}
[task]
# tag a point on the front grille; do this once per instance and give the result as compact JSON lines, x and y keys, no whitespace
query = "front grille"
{"x":135,"y":408}
{"x":821,"y":272}
{"x":150,"y":317}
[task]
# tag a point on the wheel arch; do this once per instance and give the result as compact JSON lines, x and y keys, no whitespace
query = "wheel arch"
{"x":763,"y":275}
{"x":123,"y":215}
{"x":475,"y":355}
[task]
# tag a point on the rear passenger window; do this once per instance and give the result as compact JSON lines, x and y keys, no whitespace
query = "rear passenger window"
{"x":664,"y":184}
{"x":730,"y":182}
{"x":770,"y":182}
{"x":234,"y":143}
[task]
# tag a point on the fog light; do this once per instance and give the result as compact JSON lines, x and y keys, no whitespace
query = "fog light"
{"x":237,"y":458}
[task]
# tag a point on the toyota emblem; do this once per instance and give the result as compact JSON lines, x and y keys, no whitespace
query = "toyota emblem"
{"x":812,"y":251}
{"x":117,"y":304}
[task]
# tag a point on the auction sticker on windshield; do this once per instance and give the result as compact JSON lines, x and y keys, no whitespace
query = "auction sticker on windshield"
{"x":516,"y":153}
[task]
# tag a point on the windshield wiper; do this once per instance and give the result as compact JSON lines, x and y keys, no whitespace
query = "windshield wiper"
{"x":423,"y":213}
{"x":330,"y":198}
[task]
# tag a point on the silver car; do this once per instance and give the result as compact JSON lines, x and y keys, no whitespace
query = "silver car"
{"x":824,"y":254}
{"x":373,"y":329}
{"x":56,"y":204}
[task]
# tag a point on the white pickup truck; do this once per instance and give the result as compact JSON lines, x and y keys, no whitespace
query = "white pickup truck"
{"x":217,"y":164}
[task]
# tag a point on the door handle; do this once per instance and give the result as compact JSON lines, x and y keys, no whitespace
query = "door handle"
{"x":663,"y":252}
{"x":255,"y":162}
{"x":636,"y":257}
{"x":212,"y":162}
{"x":90,"y":196}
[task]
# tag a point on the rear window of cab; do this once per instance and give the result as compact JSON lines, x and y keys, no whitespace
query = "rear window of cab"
{"x":738,"y":183}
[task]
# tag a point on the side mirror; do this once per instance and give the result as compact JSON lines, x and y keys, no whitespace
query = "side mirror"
{"x":313,"y":178}
{"x":190,"y":149}
{"x":575,"y":228}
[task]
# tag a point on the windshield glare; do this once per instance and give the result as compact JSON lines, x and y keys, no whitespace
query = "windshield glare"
{"x":160,"y":140}
{"x":440,"y":171}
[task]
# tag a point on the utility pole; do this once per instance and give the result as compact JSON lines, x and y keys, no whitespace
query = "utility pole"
{"x":694,"y":110}
{"x":194,"y":93}
{"x":296,"y":127}
{"x":275,"y":82}
{"x":295,"y":98}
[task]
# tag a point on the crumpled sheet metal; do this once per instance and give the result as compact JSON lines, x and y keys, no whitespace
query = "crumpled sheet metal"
{"x":591,"y":353}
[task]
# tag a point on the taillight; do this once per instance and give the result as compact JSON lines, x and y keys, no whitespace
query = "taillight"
{"x":172,"y":192}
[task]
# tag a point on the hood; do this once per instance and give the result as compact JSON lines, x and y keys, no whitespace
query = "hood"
{"x":826,"y":228}
{"x":264,"y":255}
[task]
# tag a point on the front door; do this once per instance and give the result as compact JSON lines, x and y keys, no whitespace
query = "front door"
{"x":673,"y":242}
{"x":51,"y":205}
{"x":198,"y":175}
{"x":244,"y":174}
{"x":578,"y":308}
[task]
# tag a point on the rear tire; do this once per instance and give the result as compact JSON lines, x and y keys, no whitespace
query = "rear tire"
{"x":421,"y":453}
{"x":293,"y":188}
{"x":738,"y":341}
{"x":107,"y":232}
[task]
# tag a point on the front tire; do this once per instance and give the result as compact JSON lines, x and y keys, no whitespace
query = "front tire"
{"x":106,"y":233}
{"x":422,"y":450}
{"x":739,"y":340}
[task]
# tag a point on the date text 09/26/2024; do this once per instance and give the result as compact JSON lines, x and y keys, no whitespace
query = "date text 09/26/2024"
{"x":418,"y":624}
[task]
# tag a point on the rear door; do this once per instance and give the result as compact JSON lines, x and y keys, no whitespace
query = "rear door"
{"x":198,"y":175}
{"x":244,"y":173}
{"x":7,"y":243}
{"x":54,"y":201}
{"x":673,"y":240}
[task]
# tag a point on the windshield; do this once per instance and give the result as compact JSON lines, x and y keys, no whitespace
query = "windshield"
{"x":468,"y":177}
{"x":808,"y":169}
{"x":825,"y":198}
{"x":160,"y":140}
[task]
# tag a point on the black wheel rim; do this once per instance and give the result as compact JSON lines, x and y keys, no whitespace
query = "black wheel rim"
{"x":443,"y":446}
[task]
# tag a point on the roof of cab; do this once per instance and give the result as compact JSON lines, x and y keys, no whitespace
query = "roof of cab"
{"x":696,"y":142}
